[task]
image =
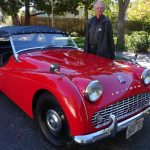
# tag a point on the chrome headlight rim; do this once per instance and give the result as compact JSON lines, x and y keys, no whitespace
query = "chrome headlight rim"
{"x":145,"y":75}
{"x":95,"y":84}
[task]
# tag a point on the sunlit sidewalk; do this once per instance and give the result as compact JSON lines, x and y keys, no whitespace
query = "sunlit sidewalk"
{"x":142,"y":59}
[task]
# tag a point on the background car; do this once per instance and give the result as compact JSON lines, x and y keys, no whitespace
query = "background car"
{"x":73,"y":96}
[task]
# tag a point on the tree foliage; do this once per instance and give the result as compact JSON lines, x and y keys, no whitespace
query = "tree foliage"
{"x":139,"y":10}
{"x":61,"y":7}
{"x":122,"y":5}
{"x":10,"y":7}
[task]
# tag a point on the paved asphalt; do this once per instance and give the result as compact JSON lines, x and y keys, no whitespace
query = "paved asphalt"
{"x":19,"y":132}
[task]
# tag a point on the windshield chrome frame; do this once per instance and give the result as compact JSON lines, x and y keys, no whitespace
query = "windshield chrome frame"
{"x":14,"y":50}
{"x":73,"y":42}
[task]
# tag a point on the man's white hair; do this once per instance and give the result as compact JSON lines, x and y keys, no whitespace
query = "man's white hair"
{"x":99,"y":2}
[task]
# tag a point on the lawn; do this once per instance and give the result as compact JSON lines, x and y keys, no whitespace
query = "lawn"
{"x":79,"y":41}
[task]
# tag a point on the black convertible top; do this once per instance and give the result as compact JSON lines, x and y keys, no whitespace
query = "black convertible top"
{"x":13,"y":30}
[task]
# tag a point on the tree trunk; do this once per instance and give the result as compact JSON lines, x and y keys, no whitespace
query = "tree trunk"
{"x":49,"y":20}
{"x":15,"y":20}
{"x":86,"y":10}
{"x":85,"y":2}
{"x":123,"y":5}
{"x":14,"y":15}
{"x":27,"y":12}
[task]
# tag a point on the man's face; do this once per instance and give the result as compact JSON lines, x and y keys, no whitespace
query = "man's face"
{"x":98,"y":10}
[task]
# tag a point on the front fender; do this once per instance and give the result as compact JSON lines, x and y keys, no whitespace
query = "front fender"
{"x":72,"y":104}
{"x":69,"y":98}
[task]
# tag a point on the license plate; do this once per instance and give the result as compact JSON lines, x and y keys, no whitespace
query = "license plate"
{"x":134,"y":127}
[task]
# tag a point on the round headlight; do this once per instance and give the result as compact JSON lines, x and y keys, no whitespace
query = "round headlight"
{"x":93,"y":91}
{"x":146,"y":76}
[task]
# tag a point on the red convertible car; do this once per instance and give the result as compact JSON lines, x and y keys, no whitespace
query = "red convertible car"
{"x":72,"y":95}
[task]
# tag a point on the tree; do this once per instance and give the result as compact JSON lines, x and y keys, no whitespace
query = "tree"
{"x":28,"y":4}
{"x":61,"y":7}
{"x":140,"y":7}
{"x":85,"y":3}
{"x":123,"y":5}
{"x":27,"y":12}
{"x":11,"y":8}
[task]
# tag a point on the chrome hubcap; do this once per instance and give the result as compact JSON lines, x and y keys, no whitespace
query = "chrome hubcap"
{"x":53,"y":121}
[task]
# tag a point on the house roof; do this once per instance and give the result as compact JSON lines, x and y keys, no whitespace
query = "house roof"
{"x":13,"y":30}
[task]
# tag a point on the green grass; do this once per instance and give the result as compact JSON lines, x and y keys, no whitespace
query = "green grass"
{"x":79,"y":41}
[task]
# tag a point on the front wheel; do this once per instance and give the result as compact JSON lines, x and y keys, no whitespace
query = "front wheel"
{"x":52,"y":120}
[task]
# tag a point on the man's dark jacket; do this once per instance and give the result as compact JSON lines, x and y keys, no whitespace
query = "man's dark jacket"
{"x":105,"y":43}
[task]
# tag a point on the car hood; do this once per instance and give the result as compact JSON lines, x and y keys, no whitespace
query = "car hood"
{"x":82,"y":68}
{"x":75,"y":62}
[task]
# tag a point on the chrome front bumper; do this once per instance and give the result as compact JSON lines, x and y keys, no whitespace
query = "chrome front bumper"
{"x":110,"y":131}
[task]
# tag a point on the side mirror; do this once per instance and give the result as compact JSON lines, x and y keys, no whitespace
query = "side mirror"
{"x":55,"y":68}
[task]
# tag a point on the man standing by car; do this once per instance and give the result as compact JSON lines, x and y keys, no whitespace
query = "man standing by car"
{"x":99,"y":34}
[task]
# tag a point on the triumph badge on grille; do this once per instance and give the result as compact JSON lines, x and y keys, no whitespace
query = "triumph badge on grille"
{"x":121,"y":79}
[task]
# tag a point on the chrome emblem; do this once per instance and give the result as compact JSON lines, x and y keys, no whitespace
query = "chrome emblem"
{"x":121,"y":79}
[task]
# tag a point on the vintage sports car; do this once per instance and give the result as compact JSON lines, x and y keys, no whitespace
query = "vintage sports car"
{"x":73,"y":95}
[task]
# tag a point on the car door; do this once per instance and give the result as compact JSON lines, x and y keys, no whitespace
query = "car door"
{"x":16,"y":85}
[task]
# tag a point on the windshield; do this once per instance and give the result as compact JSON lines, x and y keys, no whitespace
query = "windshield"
{"x":25,"y":42}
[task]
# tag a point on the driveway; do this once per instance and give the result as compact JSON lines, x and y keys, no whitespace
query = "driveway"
{"x":142,"y":59}
{"x":19,"y":132}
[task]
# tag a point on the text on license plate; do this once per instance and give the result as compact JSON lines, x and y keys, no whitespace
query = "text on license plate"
{"x":134,"y":127}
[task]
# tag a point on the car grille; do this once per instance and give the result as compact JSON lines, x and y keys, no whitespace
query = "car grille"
{"x":121,"y":109}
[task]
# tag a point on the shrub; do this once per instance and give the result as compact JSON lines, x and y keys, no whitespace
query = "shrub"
{"x":74,"y":34}
{"x":138,"y":41}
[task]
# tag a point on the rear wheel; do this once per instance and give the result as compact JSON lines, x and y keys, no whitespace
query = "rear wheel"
{"x":52,"y":120}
